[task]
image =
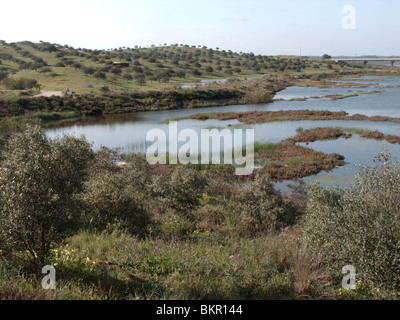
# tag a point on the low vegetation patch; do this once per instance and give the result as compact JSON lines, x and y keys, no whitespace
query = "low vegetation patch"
{"x":286,"y":160}
{"x":252,"y":117}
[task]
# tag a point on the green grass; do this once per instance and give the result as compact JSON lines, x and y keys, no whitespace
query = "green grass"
{"x":74,"y":78}
{"x":204,"y":266}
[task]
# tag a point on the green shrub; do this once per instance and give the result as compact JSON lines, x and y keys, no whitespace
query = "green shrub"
{"x":261,"y":208}
{"x":359,"y":225}
{"x":181,"y":191}
{"x":115,"y":201}
{"x":177,"y":227}
{"x":39,"y":179}
{"x":21,"y":84}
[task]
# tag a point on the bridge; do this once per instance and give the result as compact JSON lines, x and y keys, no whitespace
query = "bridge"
{"x":366,"y":60}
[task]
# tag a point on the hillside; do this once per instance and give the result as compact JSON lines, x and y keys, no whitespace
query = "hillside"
{"x":83,"y":71}
{"x":41,"y":78}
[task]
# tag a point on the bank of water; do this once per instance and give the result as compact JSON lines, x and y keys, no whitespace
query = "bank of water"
{"x":128,"y":131}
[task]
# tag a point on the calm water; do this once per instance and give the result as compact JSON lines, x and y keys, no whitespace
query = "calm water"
{"x":129,"y":131}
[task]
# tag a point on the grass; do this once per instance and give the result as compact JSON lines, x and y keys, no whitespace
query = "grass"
{"x":286,"y":161}
{"x":53,"y":116}
{"x":333,"y":133}
{"x":174,"y":58}
{"x":204,"y":266}
{"x":372,"y":134}
{"x":253,"y":117}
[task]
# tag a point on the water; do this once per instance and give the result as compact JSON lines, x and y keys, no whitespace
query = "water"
{"x":128,"y":131}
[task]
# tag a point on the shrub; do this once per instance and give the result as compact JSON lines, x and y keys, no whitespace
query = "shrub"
{"x":359,"y":225}
{"x":261,"y":208}
{"x":39,"y":179}
{"x":113,"y":203}
{"x":21,"y":83}
{"x":182,"y":191}
{"x":119,"y":199}
{"x":100,"y":75}
{"x":257,"y":95}
{"x":105,"y":89}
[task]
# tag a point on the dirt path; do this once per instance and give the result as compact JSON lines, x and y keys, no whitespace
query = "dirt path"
{"x":47,"y":93}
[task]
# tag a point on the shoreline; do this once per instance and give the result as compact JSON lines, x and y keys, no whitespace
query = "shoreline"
{"x":252,"y":91}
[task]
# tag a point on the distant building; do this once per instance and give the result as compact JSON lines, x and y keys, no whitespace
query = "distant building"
{"x":120,"y":64}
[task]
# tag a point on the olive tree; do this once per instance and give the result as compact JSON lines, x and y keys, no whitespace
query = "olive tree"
{"x":359,"y":225}
{"x":120,"y":199}
{"x":261,"y":208}
{"x":39,"y":179}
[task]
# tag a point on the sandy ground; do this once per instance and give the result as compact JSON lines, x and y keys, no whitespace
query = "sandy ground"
{"x":46,"y":93}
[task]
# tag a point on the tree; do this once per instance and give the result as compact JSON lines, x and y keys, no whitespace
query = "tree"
{"x":89,"y":70}
{"x":116,"y":71}
{"x":196,"y":72}
{"x":39,"y":179}
{"x":209,"y":69}
{"x":181,"y":74}
{"x":128,"y":76}
{"x":359,"y":225}
{"x":140,"y":78}
{"x":326,"y":56}
{"x":100,"y":75}
{"x":21,"y":83}
{"x":45,"y":70}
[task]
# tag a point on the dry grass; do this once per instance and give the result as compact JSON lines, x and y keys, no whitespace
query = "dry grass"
{"x":290,"y":254}
{"x":289,"y":161}
{"x":251,"y":117}
{"x":318,"y":134}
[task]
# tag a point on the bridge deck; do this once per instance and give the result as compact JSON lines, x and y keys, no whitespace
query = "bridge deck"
{"x":367,"y":59}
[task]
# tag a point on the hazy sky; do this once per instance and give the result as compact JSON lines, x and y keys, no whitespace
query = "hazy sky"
{"x":261,"y":26}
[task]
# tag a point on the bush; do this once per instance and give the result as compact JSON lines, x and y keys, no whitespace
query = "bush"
{"x":39,"y":179}
{"x":261,"y":208}
{"x":359,"y":225}
{"x":113,"y":203}
{"x":21,"y":84}
{"x":105,"y":89}
{"x":119,"y":199}
{"x":181,"y":192}
{"x":257,"y":95}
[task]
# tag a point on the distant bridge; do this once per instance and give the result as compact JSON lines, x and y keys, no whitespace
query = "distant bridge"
{"x":366,"y":60}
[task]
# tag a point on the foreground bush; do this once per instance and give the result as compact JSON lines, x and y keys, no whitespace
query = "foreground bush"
{"x":39,"y":179}
{"x":114,"y":201}
{"x":359,"y":225}
{"x":261,"y":208}
{"x":118,"y":196}
{"x":182,"y":191}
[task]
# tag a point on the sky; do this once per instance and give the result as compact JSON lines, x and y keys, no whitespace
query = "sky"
{"x":268,"y":27}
